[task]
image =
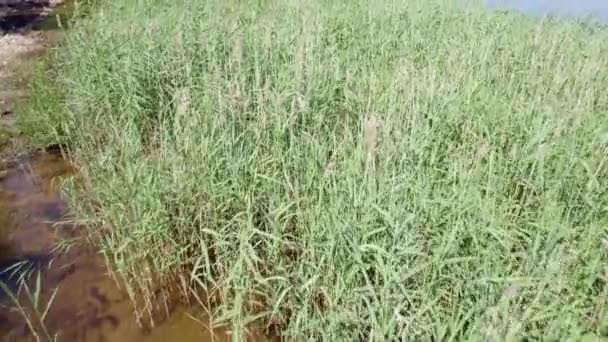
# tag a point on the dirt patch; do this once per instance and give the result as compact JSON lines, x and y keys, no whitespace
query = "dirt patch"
{"x":18,"y":50}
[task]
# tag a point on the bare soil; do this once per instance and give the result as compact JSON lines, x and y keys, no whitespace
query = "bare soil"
{"x":19,"y":46}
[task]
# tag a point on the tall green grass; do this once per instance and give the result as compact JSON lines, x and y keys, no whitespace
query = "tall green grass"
{"x":348,"y":170}
{"x":33,"y":311}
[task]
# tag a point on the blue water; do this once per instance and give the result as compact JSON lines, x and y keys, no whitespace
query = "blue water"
{"x":568,"y":8}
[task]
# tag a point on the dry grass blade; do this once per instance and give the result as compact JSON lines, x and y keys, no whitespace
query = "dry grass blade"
{"x":370,"y":136}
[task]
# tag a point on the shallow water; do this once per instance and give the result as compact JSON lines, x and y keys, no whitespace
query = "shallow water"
{"x":88,"y":305}
{"x":19,"y":14}
{"x":567,"y":8}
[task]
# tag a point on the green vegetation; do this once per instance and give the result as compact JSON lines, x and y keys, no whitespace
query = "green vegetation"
{"x":35,"y":311}
{"x":352,"y":170}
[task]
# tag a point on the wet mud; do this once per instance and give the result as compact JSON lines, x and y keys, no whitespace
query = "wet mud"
{"x":22,"y":14}
{"x":36,"y":236}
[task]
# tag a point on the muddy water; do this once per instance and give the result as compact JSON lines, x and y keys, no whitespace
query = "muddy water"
{"x":17,"y":14}
{"x":88,"y":305}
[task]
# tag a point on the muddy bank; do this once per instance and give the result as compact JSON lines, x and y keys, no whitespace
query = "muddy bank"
{"x":20,"y":46}
{"x":88,"y":304}
{"x":22,"y":14}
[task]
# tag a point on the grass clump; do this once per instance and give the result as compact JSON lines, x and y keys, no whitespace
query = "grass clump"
{"x":349,"y":170}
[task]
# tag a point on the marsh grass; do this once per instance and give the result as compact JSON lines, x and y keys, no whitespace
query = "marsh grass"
{"x":346,"y":170}
{"x":32,"y":309}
